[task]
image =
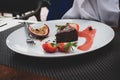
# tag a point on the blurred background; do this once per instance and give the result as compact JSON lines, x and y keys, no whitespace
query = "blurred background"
{"x":43,"y":14}
{"x":25,"y":9}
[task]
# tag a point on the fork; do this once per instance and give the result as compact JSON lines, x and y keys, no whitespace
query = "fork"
{"x":29,"y":38}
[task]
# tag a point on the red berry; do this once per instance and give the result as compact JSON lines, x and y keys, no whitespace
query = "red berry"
{"x":48,"y":47}
{"x":74,"y":25}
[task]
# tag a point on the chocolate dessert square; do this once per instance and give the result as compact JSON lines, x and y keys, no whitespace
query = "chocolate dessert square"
{"x":68,"y":34}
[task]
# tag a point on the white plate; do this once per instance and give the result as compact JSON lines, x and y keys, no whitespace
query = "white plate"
{"x":16,"y":41}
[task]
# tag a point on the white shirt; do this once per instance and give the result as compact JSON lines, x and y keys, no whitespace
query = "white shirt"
{"x":106,"y":11}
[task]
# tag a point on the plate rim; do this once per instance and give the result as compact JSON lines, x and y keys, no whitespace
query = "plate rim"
{"x":64,"y":55}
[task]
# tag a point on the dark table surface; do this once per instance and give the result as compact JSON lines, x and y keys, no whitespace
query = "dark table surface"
{"x":96,"y":65}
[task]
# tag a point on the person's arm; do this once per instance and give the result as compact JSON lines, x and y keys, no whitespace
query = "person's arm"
{"x":106,"y":11}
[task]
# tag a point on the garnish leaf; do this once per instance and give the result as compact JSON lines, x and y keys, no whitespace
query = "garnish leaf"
{"x":53,"y":44}
{"x":69,"y":45}
{"x":60,"y":27}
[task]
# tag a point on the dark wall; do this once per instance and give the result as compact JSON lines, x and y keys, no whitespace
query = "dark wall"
{"x":18,"y":5}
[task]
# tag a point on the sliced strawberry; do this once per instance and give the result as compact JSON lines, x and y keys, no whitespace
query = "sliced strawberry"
{"x":74,"y":25}
{"x":88,"y":34}
{"x":66,"y":47}
{"x":61,"y":47}
{"x":49,"y":47}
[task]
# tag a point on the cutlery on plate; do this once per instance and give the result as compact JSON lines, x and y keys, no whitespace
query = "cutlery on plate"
{"x":29,"y":38}
{"x":1,"y":25}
